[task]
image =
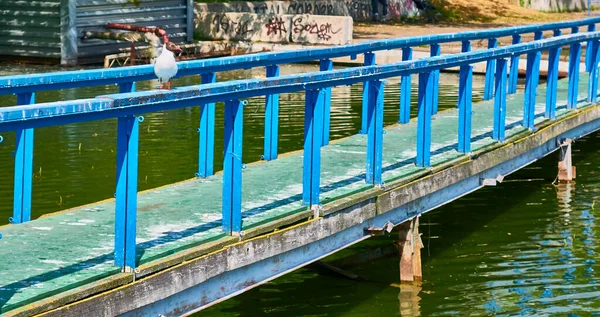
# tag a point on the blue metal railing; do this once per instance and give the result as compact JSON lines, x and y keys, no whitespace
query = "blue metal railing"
{"x":126,"y":106}
{"x":25,"y":87}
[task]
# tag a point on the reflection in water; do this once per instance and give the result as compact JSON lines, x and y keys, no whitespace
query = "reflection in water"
{"x":409,"y":299}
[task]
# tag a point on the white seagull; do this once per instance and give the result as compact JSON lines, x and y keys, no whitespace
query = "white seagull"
{"x":165,"y":66}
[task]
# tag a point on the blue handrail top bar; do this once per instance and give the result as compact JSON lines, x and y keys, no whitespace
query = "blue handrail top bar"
{"x":68,"y":79}
{"x":115,"y":105}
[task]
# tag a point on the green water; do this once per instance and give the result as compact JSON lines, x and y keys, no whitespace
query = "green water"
{"x":525,"y":247}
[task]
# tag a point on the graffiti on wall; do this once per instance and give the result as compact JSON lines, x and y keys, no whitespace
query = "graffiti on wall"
{"x":314,"y":7}
{"x":276,"y":26}
{"x":359,"y":10}
{"x":398,"y":9}
{"x":283,"y":28}
{"x":323,"y":31}
{"x":222,"y":23}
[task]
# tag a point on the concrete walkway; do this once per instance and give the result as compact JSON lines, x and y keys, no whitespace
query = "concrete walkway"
{"x":66,"y":250}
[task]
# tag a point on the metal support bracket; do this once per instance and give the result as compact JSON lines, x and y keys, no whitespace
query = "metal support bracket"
{"x":375,"y":231}
{"x":492,"y":181}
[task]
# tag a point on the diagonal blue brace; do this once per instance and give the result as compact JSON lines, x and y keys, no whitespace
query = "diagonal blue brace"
{"x":435,"y":51}
{"x":313,"y":127}
{"x":500,"y":100}
{"x":375,"y":133}
{"x":325,"y":65}
{"x":206,"y":152}
{"x":271,"y":119}
{"x":514,"y":67}
{"x":532,"y":77}
{"x":23,"y":167}
{"x":126,"y":191}
{"x":552,"y":83}
{"x":573,"y":73}
{"x":405,"y":89}
{"x":488,"y":88}
{"x":465,"y":103}
{"x":593,"y":81}
{"x":369,"y":61}
{"x":424,"y":120}
{"x":232,"y":167}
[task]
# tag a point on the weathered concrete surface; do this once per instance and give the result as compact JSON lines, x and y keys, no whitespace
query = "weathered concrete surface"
{"x":250,"y":27}
{"x":242,"y":27}
{"x":318,"y":29}
{"x":318,"y":7}
{"x":557,"y":5}
{"x":359,"y":10}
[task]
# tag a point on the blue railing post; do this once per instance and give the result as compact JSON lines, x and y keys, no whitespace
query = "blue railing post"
{"x":557,"y":32}
{"x":127,"y":87}
{"x":424,"y":120}
{"x":465,"y":46}
{"x":313,"y":125}
{"x":232,"y":167}
{"x":375,"y":133}
{"x":126,"y":191}
{"x":531,"y":83}
{"x":369,"y":61}
{"x":465,"y":102}
{"x":500,"y":100}
{"x":435,"y":51}
{"x":207,"y":133}
{"x":325,"y":65}
{"x":593,"y":81}
{"x":514,"y":67}
{"x":405,"y":89}
{"x":488,"y":88}
{"x":588,"y":50}
{"x":552,"y":84}
{"x":574,"y":61}
{"x":23,"y":167}
{"x":271,"y":119}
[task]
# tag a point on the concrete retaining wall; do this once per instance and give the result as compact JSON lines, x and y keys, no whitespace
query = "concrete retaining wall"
{"x":319,"y":29}
{"x":359,"y":10}
{"x":285,"y":28}
{"x":557,"y":5}
{"x":241,"y":27}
